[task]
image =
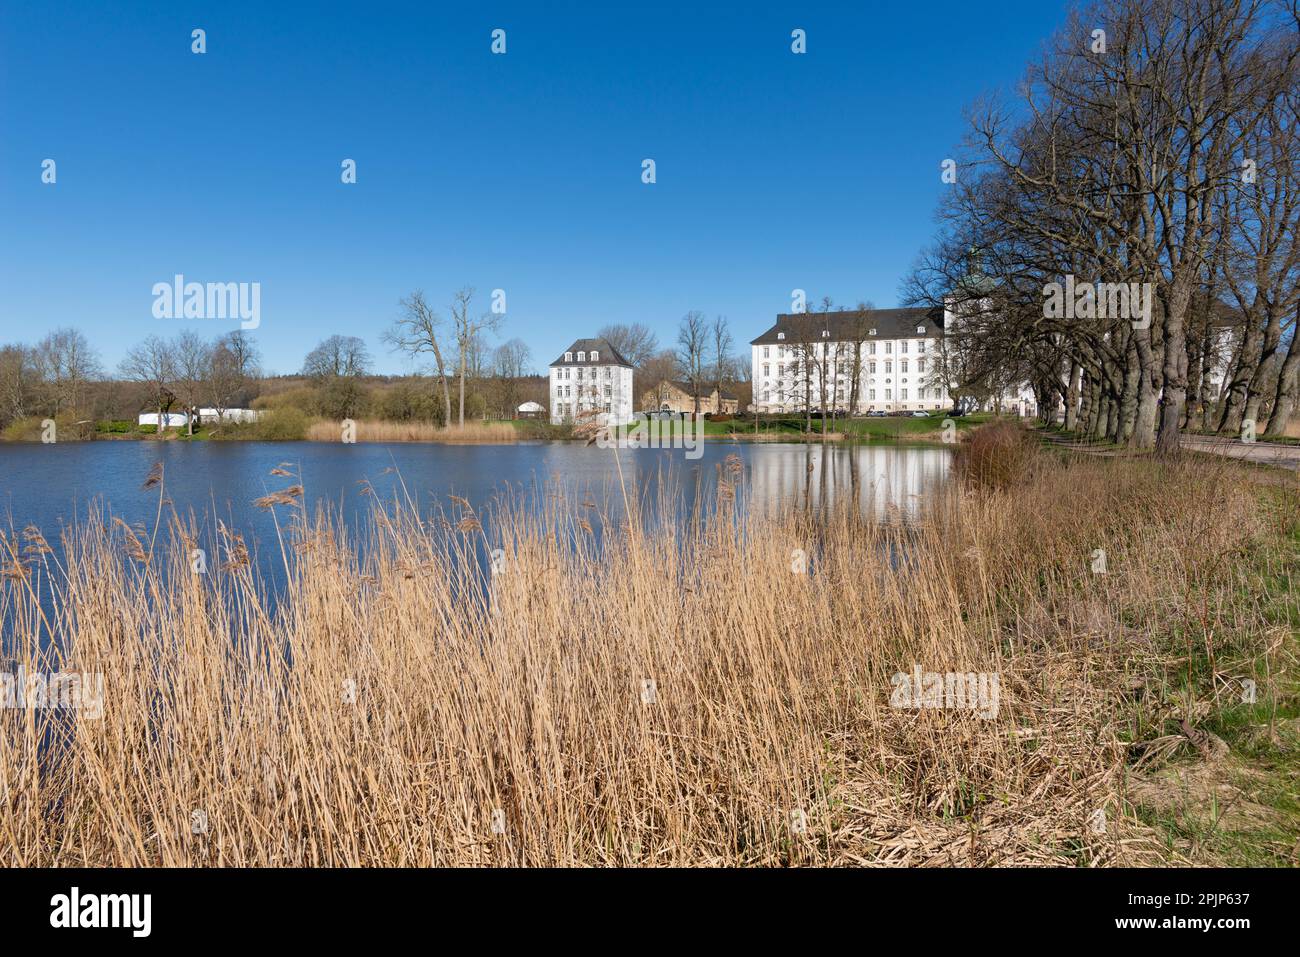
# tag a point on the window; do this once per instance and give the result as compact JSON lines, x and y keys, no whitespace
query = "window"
{"x":889,"y":347}
{"x":920,"y":345}
{"x":889,"y":394}
{"x":595,"y":357}
{"x":903,"y":366}
{"x":889,"y":366}
{"x":903,"y":395}
{"x":920,"y":330}
{"x":826,"y":333}
{"x":608,"y":393}
{"x":765,"y":351}
{"x":920,"y":365}
{"x":780,"y":335}
{"x":902,"y":346}
{"x":871,"y":348}
{"x":568,"y":357}
{"x":765,"y":373}
{"x":872,"y":367}
{"x":582,"y":357}
{"x":873,"y":394}
{"x":872,"y":333}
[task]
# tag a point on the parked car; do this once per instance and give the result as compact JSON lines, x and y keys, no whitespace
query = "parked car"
{"x":918,"y":414}
{"x":877,"y":414}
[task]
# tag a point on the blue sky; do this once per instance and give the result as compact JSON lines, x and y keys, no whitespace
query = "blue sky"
{"x":520,"y":172}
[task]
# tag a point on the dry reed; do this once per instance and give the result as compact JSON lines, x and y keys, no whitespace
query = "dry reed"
{"x":371,"y":430}
{"x":687,"y":696}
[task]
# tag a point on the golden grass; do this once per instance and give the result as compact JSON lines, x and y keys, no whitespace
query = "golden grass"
{"x":373,"y":430}
{"x":396,"y":704}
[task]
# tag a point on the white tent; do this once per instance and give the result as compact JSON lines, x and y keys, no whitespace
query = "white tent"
{"x":230,"y":415}
{"x":531,"y":408}
{"x":171,"y":420}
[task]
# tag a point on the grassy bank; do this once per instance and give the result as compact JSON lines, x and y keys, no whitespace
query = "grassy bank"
{"x":291,"y":425}
{"x":694,"y":696}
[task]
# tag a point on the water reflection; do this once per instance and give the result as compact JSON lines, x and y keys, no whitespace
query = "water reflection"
{"x":51,"y":485}
{"x":881,"y":480}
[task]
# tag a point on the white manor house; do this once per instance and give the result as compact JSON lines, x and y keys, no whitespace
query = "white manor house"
{"x":591,"y":376}
{"x":896,"y":352}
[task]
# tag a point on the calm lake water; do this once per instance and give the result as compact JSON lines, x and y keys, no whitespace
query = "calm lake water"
{"x":51,"y":485}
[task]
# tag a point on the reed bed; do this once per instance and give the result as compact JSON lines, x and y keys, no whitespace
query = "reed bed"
{"x":510,"y":688}
{"x":374,"y":430}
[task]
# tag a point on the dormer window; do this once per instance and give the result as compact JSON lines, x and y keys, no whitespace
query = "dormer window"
{"x":873,"y":332}
{"x":920,"y":330}
{"x":780,"y":335}
{"x":568,"y":357}
{"x":595,"y":357}
{"x":582,"y":357}
{"x":826,"y":333}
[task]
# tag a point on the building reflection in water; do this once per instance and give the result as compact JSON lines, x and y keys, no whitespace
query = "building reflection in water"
{"x":883,"y":480}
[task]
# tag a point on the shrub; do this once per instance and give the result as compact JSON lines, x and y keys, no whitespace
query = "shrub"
{"x":996,"y":456}
{"x":282,"y":425}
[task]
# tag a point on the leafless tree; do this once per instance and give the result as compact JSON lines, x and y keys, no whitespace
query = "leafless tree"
{"x":692,"y":341}
{"x":152,"y":365}
{"x":510,"y":363}
{"x":635,"y":342}
{"x":67,"y":364}
{"x":192,"y":363}
{"x":417,"y":331}
{"x":722,"y":343}
{"x":468,"y":329}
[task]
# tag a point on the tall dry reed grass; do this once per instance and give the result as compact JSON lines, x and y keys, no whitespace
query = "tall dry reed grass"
{"x":373,"y":430}
{"x":399,"y":708}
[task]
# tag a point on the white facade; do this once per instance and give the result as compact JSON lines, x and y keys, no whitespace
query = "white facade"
{"x":171,"y":420}
{"x":591,"y":376}
{"x":898,"y":364}
{"x":229,"y":415}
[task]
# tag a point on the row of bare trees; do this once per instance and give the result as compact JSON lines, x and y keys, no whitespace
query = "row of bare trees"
{"x":193,"y":371}
{"x":50,"y":378}
{"x":1148,"y":168}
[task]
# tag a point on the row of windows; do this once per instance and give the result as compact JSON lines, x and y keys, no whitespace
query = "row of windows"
{"x":592,"y":373}
{"x":783,"y":368}
{"x":567,"y":409}
{"x":921,"y":393}
{"x":826,"y":333}
{"x":582,"y":356}
{"x":564,"y":390}
{"x":903,"y":347}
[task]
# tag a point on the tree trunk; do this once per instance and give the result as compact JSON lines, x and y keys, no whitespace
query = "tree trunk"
{"x":1288,"y":383}
{"x":1072,"y":397}
{"x":462,"y":388}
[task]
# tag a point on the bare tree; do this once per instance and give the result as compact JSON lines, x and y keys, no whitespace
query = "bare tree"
{"x":468,"y":331}
{"x":722,"y":343}
{"x":234,"y":364}
{"x":692,"y":341}
{"x":151,"y":364}
{"x":416,"y":330}
{"x":19,"y":382}
{"x":192,"y":362}
{"x":336,"y":365}
{"x":635,"y":342}
{"x":510,"y":362}
{"x":67,"y":363}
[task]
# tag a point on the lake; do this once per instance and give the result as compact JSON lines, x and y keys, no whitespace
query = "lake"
{"x":50,"y":485}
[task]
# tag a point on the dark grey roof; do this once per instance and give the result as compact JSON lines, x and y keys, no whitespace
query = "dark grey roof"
{"x":888,"y":323}
{"x":609,"y":356}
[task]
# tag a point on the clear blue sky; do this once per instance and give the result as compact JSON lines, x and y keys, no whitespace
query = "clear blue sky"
{"x":520,"y":171}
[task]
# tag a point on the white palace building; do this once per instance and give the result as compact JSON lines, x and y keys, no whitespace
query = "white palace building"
{"x":897,"y":356}
{"x":591,"y":376}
